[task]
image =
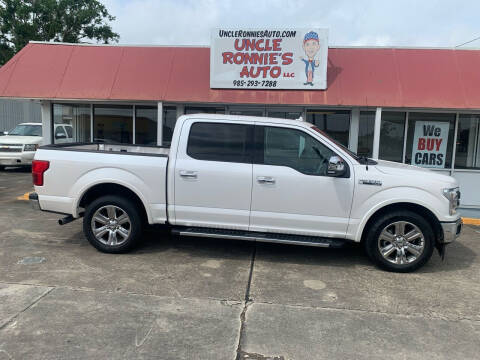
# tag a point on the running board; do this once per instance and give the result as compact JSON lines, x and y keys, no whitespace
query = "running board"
{"x":259,"y":236}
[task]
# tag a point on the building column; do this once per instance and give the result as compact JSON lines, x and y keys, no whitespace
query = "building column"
{"x":180,"y":110}
{"x":160,"y":124}
{"x":354,"y":126}
{"x":46,"y":122}
{"x":376,"y":133}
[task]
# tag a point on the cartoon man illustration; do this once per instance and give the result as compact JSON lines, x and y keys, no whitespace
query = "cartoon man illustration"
{"x":311,"y":46}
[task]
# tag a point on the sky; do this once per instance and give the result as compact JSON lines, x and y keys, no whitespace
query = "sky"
{"x":425,"y":23}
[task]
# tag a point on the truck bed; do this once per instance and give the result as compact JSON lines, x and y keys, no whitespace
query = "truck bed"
{"x":76,"y":168}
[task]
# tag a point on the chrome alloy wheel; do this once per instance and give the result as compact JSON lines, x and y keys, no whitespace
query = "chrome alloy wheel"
{"x":111,"y":225}
{"x":401,"y":242}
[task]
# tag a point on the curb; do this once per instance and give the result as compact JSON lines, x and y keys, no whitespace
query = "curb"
{"x":471,"y":221}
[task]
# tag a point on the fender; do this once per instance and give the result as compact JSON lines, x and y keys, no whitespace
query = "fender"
{"x":366,"y":209}
{"x":109,"y":175}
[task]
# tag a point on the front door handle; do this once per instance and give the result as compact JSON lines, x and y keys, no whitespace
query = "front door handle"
{"x":188,"y":174}
{"x":265,"y":180}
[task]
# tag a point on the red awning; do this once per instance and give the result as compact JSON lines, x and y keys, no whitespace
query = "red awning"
{"x":418,"y":78}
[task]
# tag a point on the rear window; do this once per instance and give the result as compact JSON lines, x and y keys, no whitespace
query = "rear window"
{"x":220,"y":142}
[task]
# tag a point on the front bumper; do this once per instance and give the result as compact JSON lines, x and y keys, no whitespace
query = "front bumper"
{"x":16,"y":158}
{"x":33,"y":197}
{"x":451,"y":230}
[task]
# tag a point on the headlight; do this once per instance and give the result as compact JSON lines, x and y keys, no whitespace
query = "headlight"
{"x":30,"y":147}
{"x":453,"y":196}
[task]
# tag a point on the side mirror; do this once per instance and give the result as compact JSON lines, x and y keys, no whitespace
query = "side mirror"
{"x":336,"y":167}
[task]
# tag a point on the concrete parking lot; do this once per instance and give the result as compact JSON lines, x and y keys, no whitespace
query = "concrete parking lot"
{"x":212,"y":299}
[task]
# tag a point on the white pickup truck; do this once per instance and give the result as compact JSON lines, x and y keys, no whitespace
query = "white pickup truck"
{"x":250,"y":178}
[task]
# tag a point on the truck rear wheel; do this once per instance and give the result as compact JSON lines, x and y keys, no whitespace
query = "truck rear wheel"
{"x":112,"y":224}
{"x":401,"y":241}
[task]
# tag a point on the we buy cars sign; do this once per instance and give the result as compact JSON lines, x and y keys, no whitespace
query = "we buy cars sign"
{"x":269,"y":59}
{"x":430,"y":144}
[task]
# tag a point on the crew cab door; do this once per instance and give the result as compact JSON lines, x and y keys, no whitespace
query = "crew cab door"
{"x":213,"y":174}
{"x":291,"y":190}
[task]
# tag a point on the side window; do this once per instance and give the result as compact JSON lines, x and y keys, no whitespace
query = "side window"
{"x":295,"y":149}
{"x":69,"y":131}
{"x":220,"y":142}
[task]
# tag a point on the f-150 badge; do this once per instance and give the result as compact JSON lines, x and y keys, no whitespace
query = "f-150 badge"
{"x":370,"y":182}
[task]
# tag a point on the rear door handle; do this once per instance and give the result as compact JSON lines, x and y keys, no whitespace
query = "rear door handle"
{"x":265,"y":180}
{"x":188,"y":174}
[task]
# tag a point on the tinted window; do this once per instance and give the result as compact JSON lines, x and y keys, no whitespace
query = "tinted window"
{"x":169,"y":121}
{"x":336,"y":123}
{"x":295,"y":149}
{"x":220,"y":142}
{"x":391,"y":136}
{"x":365,"y":133}
{"x":146,"y":125}
{"x":467,"y":155}
{"x":113,"y":124}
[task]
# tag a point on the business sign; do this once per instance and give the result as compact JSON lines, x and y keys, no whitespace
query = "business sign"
{"x":430,"y":144}
{"x":269,"y":59}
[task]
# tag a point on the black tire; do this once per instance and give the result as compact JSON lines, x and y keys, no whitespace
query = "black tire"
{"x":373,"y":243}
{"x":135,"y":225}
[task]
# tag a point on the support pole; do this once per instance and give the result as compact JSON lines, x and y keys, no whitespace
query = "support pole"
{"x":160,"y":124}
{"x":47,"y":122}
{"x":354,"y":128}
{"x":376,"y":133}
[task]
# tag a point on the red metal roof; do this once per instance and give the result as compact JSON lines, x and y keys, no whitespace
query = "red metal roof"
{"x":388,"y":77}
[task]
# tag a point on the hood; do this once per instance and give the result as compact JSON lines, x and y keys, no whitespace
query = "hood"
{"x":398,"y":169}
{"x":18,"y":140}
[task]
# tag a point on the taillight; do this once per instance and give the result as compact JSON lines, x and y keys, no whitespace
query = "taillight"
{"x":38,"y":168}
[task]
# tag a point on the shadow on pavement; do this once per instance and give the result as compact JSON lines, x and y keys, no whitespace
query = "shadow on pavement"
{"x":458,"y":255}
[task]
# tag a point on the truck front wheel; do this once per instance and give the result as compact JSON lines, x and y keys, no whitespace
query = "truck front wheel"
{"x":112,"y":224}
{"x":401,"y":241}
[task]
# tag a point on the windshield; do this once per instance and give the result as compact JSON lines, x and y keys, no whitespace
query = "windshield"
{"x":27,"y":130}
{"x":350,"y":152}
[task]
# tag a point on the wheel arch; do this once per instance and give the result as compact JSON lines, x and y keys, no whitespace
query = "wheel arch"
{"x":110,"y":188}
{"x":421,"y":210}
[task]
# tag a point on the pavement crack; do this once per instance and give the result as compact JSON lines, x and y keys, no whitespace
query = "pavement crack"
{"x":250,"y":275}
{"x":13,"y":318}
{"x":247,"y":302}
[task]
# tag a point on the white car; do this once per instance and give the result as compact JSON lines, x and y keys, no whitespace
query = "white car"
{"x":250,"y":178}
{"x":18,"y":146}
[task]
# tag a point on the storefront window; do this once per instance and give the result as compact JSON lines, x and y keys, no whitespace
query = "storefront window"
{"x":430,"y":140}
{"x":284,"y":114}
{"x":169,"y":121}
{"x":113,"y":124}
{"x":205,"y":110}
{"x":392,"y":133}
{"x":365,"y":133}
{"x":146,"y":119}
{"x":335,"y":123}
{"x":467,"y":154}
{"x":71,"y":123}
